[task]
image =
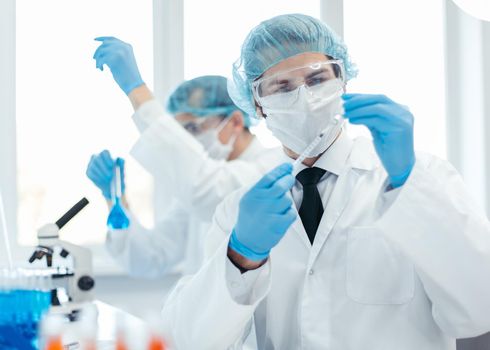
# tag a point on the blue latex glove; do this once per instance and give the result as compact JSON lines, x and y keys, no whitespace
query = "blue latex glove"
{"x":265,"y":214}
{"x":119,"y":57}
{"x":391,"y":126}
{"x":100,"y":170}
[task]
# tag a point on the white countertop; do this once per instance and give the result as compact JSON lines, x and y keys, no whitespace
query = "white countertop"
{"x":108,"y":320}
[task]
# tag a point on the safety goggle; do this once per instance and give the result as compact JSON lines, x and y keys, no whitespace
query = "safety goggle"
{"x":287,"y":83}
{"x":202,"y":124}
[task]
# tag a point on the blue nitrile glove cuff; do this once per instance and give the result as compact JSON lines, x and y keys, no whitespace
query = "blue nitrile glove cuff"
{"x":399,"y":180}
{"x":237,"y":246}
{"x":130,"y":87}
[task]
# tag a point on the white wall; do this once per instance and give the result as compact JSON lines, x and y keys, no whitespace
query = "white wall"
{"x":468,"y":95}
{"x":8,"y":173}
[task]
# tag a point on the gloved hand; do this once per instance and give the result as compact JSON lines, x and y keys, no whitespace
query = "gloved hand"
{"x":119,"y":57}
{"x":100,"y":170}
{"x":265,"y":214}
{"x":391,"y":126}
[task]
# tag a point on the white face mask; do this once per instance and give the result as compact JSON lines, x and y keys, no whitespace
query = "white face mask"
{"x":209,"y":139}
{"x":298,"y":125}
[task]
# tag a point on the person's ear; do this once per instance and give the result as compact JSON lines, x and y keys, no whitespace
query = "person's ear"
{"x":237,"y":120}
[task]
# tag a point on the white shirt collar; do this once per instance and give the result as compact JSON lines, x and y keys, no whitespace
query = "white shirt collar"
{"x":253,"y":150}
{"x":334,"y":159}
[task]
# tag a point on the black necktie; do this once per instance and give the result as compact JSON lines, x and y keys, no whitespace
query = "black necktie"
{"x":311,"y":209}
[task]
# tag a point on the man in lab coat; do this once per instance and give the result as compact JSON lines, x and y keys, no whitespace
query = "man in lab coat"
{"x":357,"y":247}
{"x":199,"y":155}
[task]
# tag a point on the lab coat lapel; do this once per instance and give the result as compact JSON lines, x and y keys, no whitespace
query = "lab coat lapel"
{"x":299,"y":230}
{"x":339,"y":198}
{"x":342,"y":193}
{"x":361,"y":158}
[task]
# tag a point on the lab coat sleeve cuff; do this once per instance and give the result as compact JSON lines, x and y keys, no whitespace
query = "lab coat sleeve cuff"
{"x":117,"y":240}
{"x":248,"y":287}
{"x":147,"y":114}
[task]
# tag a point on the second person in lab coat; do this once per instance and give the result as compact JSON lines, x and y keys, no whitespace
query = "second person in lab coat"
{"x":173,"y":156}
{"x":175,"y":245}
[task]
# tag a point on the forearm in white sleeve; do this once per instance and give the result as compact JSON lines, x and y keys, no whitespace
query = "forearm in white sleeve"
{"x":117,"y":241}
{"x":150,"y":253}
{"x":201,"y":313}
{"x":216,"y":305}
{"x":242,"y":285}
{"x":435,"y":223}
{"x":148,"y":113}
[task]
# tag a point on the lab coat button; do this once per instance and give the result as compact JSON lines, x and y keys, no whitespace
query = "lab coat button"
{"x":311,"y":272}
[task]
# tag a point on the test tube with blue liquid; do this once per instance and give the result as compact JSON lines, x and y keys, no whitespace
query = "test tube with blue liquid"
{"x":118,"y":219}
{"x":25,"y":296}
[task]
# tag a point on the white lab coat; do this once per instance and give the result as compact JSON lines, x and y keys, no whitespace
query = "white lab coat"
{"x":172,"y":247}
{"x":196,"y":184}
{"x":175,"y":157}
{"x":388,"y":270}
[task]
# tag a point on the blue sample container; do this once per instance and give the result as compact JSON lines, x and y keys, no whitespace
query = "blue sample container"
{"x":24,"y":298}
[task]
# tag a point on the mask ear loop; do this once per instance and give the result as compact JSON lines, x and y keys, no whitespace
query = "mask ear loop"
{"x":231,"y":141}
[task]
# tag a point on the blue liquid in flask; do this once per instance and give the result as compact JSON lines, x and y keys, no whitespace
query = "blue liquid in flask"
{"x":117,"y":220}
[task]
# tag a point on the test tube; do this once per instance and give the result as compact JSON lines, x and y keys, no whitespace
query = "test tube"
{"x":117,"y":219}
{"x":87,"y":330}
{"x":337,"y":119}
{"x":52,"y":332}
{"x":117,"y":169}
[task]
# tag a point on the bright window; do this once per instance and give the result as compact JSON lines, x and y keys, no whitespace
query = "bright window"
{"x":399,"y":49}
{"x":212,"y":39}
{"x":68,"y":110}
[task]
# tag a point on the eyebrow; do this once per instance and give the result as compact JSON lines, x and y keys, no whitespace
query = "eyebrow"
{"x":274,"y":84}
{"x":320,"y":71}
{"x":278,"y":82}
{"x":309,"y":76}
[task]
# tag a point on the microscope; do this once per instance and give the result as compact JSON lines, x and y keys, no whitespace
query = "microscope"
{"x":72,"y":285}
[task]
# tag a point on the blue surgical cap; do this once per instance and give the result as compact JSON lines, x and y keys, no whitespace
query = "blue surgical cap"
{"x":203,"y":96}
{"x":279,"y":38}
